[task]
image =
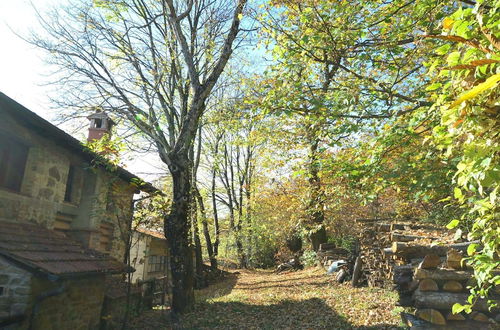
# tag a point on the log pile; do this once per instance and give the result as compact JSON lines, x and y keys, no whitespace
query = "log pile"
{"x":374,"y":236}
{"x":379,"y":260}
{"x":328,"y":253}
{"x":435,"y":284}
{"x":427,"y":269}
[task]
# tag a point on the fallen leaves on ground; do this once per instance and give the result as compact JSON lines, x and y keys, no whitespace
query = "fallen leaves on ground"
{"x":305,"y":299}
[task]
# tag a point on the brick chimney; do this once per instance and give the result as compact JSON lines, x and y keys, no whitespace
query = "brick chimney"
{"x":100,"y":124}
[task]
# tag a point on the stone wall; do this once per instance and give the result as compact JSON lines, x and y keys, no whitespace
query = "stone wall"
{"x":16,"y":289}
{"x":78,"y":306}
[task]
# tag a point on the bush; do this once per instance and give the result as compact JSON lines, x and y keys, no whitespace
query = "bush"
{"x":347,"y":242}
{"x":309,"y":258}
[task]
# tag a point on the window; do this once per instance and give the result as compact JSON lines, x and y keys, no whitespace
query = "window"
{"x":13,"y":157}
{"x":68,"y":194}
{"x":98,"y":123}
{"x":3,"y":291}
{"x":157,"y":264}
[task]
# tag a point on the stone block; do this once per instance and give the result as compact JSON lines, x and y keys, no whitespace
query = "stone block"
{"x":24,"y":291}
{"x":54,"y":172}
{"x":4,"y":279}
{"x":16,"y":309}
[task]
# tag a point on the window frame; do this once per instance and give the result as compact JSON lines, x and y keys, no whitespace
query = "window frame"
{"x":7,"y":165}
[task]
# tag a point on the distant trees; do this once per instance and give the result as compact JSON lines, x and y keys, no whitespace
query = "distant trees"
{"x":153,"y":64}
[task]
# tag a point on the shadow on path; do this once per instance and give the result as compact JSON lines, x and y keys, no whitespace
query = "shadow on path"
{"x":307,"y":314}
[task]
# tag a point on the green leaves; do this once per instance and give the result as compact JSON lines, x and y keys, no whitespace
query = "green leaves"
{"x":470,"y":74}
{"x":453,"y":224}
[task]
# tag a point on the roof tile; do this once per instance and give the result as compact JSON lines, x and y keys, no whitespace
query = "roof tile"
{"x":52,"y":252}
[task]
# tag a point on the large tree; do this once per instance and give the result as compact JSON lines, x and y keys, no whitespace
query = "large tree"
{"x":343,"y":70}
{"x":153,"y":64}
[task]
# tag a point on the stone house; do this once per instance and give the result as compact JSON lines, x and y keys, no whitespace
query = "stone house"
{"x":77,"y":213}
{"x":149,"y":255}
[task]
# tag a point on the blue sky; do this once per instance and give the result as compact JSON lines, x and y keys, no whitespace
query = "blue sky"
{"x":21,"y":65}
{"x":22,"y":71}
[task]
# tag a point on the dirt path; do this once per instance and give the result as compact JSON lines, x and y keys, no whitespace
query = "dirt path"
{"x":299,"y":300}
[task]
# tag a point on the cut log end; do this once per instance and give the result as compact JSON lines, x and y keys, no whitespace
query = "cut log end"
{"x":430,"y":261}
{"x":455,"y":317}
{"x":428,"y":285}
{"x":453,"y":286}
{"x":431,"y":315}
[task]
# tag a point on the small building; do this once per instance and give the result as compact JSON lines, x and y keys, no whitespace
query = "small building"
{"x":149,"y":255}
{"x":48,"y":281}
{"x":77,"y":214}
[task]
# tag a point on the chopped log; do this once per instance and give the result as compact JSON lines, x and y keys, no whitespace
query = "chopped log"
{"x":428,"y":285}
{"x":356,"y":273}
{"x":399,"y":226}
{"x":430,"y":261}
{"x":455,"y":317}
{"x":413,"y":285}
{"x":384,"y":227}
{"x":402,"y":274}
{"x":341,"y":275}
{"x":453,"y":286}
{"x":445,"y":300}
{"x":333,"y":252}
{"x":413,"y":321}
{"x":403,"y":226}
{"x":480,"y":317}
{"x":408,"y":251}
{"x":443,"y":274}
{"x":454,"y":259}
{"x":400,"y":237}
{"x":371,"y":220}
{"x":431,"y":315}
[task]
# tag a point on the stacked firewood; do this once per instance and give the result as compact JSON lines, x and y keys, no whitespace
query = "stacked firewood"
{"x":376,"y":236}
{"x":328,"y":253}
{"x":426,"y":268}
{"x":435,"y":278}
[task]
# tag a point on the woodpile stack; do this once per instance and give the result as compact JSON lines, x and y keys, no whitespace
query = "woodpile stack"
{"x":328,"y":253}
{"x":435,"y":284}
{"x":376,"y":236}
{"x":427,"y":269}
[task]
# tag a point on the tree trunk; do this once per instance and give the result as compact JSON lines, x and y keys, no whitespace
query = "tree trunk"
{"x":206,"y":232}
{"x":317,"y":238}
{"x":216,"y":215}
{"x":200,"y":277}
{"x":177,"y":230}
{"x":239,"y":248}
{"x":315,"y":208}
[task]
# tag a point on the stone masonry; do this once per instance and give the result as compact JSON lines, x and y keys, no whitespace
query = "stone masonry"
{"x":15,"y":284}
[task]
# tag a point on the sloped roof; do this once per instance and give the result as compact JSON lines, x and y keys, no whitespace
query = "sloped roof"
{"x":51,"y":252}
{"x":44,"y":128}
{"x":150,"y":232}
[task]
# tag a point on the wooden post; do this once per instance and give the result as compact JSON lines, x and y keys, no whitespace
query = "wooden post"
{"x":357,"y":271}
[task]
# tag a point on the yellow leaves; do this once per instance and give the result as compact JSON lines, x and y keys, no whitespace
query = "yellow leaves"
{"x":472,"y":65}
{"x":240,"y":16}
{"x":448,"y":23}
{"x":488,"y":84}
